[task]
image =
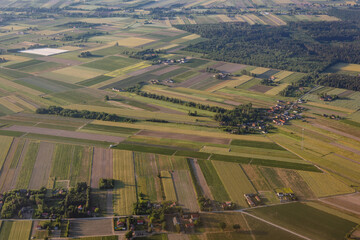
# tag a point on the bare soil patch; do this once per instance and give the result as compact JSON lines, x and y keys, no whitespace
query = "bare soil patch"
{"x":231,"y":67}
{"x":90,"y":227}
{"x":350,"y":202}
{"x":195,"y":80}
{"x":7,"y":163}
{"x":346,"y":93}
{"x":260,"y":88}
{"x":181,"y":136}
{"x":165,"y":70}
{"x":102,"y":165}
{"x":201,"y":179}
{"x":41,"y":171}
{"x":64,"y":133}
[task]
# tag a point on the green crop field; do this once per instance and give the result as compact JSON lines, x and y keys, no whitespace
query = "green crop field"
{"x":268,"y":145}
{"x":24,"y":64}
{"x":81,"y":165}
{"x":62,"y":161}
{"x":168,"y":184}
{"x":95,"y":80}
{"x":147,"y":180}
{"x":141,"y":148}
{"x":124,"y":194}
{"x":235,"y":181}
{"x":12,"y":74}
{"x":111,"y":129}
{"x":16,"y":230}
{"x":306,"y":220}
{"x":323,"y":184}
{"x":213,"y":180}
{"x":27,"y":166}
{"x":5,"y":143}
{"x":111,"y":63}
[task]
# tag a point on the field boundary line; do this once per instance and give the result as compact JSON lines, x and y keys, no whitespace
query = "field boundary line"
{"x":275,"y":225}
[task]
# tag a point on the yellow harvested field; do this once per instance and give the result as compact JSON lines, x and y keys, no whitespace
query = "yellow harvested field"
{"x":191,"y":37}
{"x":238,"y":81}
{"x":168,"y":184}
{"x":9,"y":105}
{"x":192,"y":21}
{"x":323,"y":184}
{"x":180,"y":21}
{"x":235,"y":181}
{"x":281,"y":75}
{"x":239,"y":18}
{"x":128,"y":69}
{"x":133,"y":41}
{"x":15,"y":58}
{"x":328,"y":18}
{"x":167,"y":22}
{"x":113,"y":80}
{"x":283,"y":1}
{"x":248,"y":20}
{"x":347,"y":67}
{"x":13,"y":27}
{"x":259,"y":70}
{"x":124,"y":195}
{"x":276,"y":19}
{"x":256,"y":19}
{"x":5,"y":143}
{"x":168,"y":47}
{"x":275,"y":90}
{"x":184,"y":131}
{"x":51,"y":32}
{"x":6,"y":84}
{"x":225,"y":18}
{"x":218,"y":86}
{"x":15,"y":99}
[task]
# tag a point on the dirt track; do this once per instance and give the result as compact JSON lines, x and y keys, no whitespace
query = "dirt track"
{"x":64,"y":133}
{"x":41,"y":170}
{"x":181,"y":136}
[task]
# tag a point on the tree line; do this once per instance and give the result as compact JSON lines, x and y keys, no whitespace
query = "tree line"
{"x":54,"y":110}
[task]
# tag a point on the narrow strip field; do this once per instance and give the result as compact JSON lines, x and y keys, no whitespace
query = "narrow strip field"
{"x":64,"y":133}
{"x":5,"y":143}
{"x":125,"y":187}
{"x":169,"y":189}
{"x":27,"y":166}
{"x":102,"y":165}
{"x":235,"y":181}
{"x":185,"y":191}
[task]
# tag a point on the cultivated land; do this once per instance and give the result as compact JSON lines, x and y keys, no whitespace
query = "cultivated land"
{"x":168,"y":144}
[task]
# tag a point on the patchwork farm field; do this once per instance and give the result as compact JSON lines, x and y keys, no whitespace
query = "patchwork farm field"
{"x":167,"y":122}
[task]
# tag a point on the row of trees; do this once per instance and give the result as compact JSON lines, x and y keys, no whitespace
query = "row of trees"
{"x":54,"y":110}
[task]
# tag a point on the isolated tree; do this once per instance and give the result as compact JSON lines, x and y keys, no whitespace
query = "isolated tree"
{"x":222,"y":225}
{"x":236,"y":227}
{"x":107,"y":98}
{"x":129,"y":234}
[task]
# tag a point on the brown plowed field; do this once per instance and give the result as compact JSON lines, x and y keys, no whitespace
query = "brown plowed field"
{"x":231,"y":67}
{"x":165,"y":70}
{"x":181,"y":136}
{"x":185,"y":192}
{"x":64,"y":133}
{"x":195,"y":80}
{"x":41,"y":171}
{"x":350,"y":202}
{"x":102,"y":166}
{"x":12,"y":173}
{"x":90,"y":227}
{"x":201,"y":179}
{"x":260,"y":88}
{"x":7,"y":163}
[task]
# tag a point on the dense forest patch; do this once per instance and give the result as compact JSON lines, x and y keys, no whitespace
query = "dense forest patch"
{"x":299,"y":46}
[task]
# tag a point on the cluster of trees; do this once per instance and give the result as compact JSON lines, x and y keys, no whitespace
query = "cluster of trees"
{"x":248,"y":73}
{"x":268,"y":82}
{"x":79,"y":24}
{"x":339,"y":81}
{"x":147,"y":54}
{"x":2,"y":60}
{"x":54,"y":110}
{"x":205,"y":204}
{"x":143,"y":205}
{"x":82,"y":37}
{"x":300,"y":46}
{"x":240,"y":115}
{"x":85,"y":54}
{"x":212,"y":70}
{"x":351,"y":14}
{"x":77,"y":201}
{"x":105,"y":183}
{"x":137,"y":90}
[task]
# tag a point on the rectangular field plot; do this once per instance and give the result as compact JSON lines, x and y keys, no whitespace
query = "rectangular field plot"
{"x":111,"y":63}
{"x":323,"y":184}
{"x":235,"y":181}
{"x":124,"y":195}
{"x":5,"y":143}
{"x":44,"y":51}
{"x":168,"y":184}
{"x":73,"y":74}
{"x":305,"y":220}
{"x":348,"y":202}
{"x":185,"y":191}
{"x":16,"y":230}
